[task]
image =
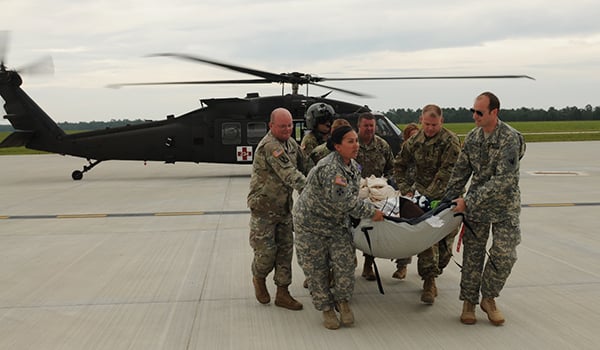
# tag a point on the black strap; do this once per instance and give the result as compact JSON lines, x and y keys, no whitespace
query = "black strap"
{"x":468,"y":226}
{"x":365,"y":230}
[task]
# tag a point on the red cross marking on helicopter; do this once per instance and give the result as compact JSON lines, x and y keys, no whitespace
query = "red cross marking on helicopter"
{"x":244,"y":153}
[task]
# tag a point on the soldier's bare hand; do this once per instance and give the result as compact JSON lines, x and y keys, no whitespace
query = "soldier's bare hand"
{"x":378,"y":216}
{"x":461,"y":206}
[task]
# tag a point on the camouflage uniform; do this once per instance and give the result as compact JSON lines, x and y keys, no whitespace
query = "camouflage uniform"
{"x":323,"y":232}
{"x":493,"y":199}
{"x":318,"y":153}
{"x":431,"y":161}
{"x":276,"y":172}
{"x":375,"y":158}
{"x":310,"y":141}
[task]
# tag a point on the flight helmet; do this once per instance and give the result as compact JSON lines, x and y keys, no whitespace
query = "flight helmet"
{"x":318,"y":113}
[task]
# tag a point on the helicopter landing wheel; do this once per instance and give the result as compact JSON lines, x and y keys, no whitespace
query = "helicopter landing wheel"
{"x":77,"y":175}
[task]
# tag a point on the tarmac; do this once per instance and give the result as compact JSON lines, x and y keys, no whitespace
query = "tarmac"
{"x":156,"y":256}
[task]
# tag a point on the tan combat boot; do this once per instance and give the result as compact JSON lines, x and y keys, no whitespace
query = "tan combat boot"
{"x":260,"y":290}
{"x":346,"y":314}
{"x":400,"y":272}
{"x":429,"y":291}
{"x":330,"y":320}
{"x":488,"y":305}
{"x":368,"y":273}
{"x":468,"y":313}
{"x":284,"y":299}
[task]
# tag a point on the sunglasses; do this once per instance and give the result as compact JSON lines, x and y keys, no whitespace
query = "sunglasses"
{"x":479,"y":113}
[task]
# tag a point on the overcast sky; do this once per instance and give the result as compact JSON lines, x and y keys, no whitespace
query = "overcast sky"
{"x":94,"y":43}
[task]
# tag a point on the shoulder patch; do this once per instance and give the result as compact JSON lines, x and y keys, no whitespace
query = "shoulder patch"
{"x":277,"y":152}
{"x":341,"y":181}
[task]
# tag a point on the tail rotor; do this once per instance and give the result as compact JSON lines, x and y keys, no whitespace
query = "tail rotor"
{"x":42,"y":66}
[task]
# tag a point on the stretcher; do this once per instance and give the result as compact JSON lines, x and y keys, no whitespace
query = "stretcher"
{"x":397,"y":237}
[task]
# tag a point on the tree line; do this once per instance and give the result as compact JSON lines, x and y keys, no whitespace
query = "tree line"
{"x":523,"y":114}
{"x":401,"y":116}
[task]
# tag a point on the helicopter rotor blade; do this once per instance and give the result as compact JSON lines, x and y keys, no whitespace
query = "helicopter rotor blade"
{"x":433,"y":77}
{"x":44,"y":65}
{"x":359,"y":94}
{"x":4,"y":34}
{"x":205,"y":82}
{"x":277,"y":78}
{"x":296,"y":78}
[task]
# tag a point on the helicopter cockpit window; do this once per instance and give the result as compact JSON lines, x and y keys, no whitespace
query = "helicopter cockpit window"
{"x":256,"y":131}
{"x":231,"y":133}
{"x":383,"y":128}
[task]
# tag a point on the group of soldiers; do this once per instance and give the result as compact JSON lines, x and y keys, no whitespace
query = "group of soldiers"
{"x":424,"y":165}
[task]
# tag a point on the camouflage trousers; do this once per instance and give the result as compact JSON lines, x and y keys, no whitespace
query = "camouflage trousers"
{"x":434,"y":259}
{"x":317,"y":254}
{"x":272,"y":239}
{"x":488,"y":279}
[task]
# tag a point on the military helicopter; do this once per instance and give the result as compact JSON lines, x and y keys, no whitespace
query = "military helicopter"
{"x":223,"y":130}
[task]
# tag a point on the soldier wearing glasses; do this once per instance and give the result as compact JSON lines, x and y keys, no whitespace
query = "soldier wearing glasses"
{"x":490,"y":158}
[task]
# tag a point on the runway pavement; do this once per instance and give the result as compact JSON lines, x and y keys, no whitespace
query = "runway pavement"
{"x":156,"y":256}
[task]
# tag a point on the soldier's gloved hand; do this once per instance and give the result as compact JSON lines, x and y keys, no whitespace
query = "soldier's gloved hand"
{"x":378,"y":215}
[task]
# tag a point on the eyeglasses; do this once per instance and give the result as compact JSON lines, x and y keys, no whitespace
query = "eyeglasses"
{"x":479,"y":113}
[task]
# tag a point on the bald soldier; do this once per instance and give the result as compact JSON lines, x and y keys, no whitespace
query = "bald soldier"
{"x":276,"y":172}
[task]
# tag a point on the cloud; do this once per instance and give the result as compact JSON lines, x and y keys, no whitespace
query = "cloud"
{"x":99,"y":42}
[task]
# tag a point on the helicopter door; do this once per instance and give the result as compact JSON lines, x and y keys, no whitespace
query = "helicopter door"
{"x":236,"y":140}
{"x":255,"y":131}
{"x":230,"y":133}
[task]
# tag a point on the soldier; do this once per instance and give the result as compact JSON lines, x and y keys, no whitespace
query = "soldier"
{"x":409,"y":131}
{"x":425,"y":164}
{"x":276,"y":172}
{"x":321,"y":151}
{"x":490,"y":158}
{"x":323,"y":231}
{"x":375,"y":157}
{"x":319,"y":117}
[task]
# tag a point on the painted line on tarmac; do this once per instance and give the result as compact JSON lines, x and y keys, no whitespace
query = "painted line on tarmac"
{"x":227,"y":212}
{"x":554,"y":205}
{"x":123,"y":215}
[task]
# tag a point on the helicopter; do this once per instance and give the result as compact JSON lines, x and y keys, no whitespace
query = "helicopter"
{"x":222,"y":130}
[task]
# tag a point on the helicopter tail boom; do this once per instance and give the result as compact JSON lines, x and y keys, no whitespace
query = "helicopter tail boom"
{"x":33,"y":127}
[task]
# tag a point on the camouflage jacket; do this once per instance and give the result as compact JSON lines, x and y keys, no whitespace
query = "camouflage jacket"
{"x":375,"y":158}
{"x":493,"y":163}
{"x":330,"y":197}
{"x":425,"y":164}
{"x":318,"y":153}
{"x":276,"y":172}
{"x":310,"y":141}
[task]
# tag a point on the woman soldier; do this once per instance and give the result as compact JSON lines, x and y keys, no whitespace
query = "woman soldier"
{"x":323,"y":230}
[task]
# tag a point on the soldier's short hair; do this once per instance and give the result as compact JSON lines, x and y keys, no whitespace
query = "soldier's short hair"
{"x":494,"y":101}
{"x":365,"y":115}
{"x":432,"y":110}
